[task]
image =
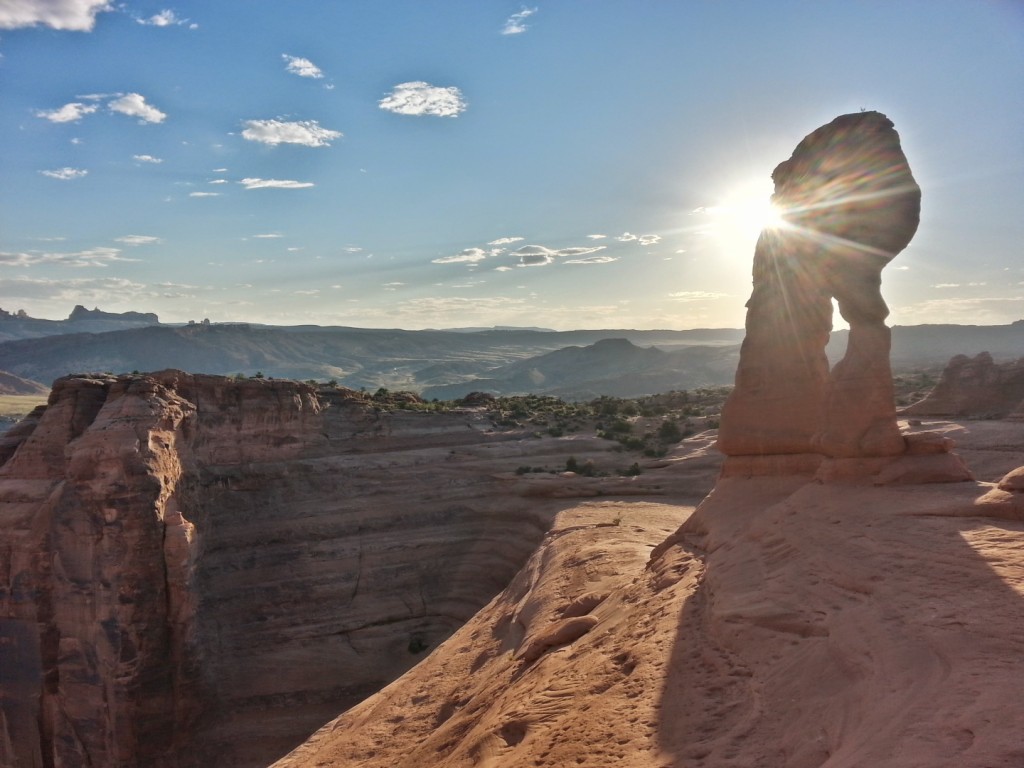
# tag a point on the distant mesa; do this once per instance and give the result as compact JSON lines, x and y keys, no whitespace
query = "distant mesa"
{"x":81,"y":313}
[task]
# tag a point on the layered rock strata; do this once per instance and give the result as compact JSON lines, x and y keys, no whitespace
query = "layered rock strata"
{"x":200,"y":571}
{"x":975,"y":388}
{"x":849,"y":204}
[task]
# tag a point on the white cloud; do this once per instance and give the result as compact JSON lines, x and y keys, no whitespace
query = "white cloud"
{"x":138,"y":240}
{"x":147,"y":159}
{"x":946,"y":285}
{"x":539,"y":255}
{"x":505,"y":240}
{"x":65,"y":174}
{"x":92,"y":257}
{"x":597,"y":237}
{"x":134,"y":105}
{"x":204,"y":194}
{"x":467,"y":256}
{"x":419,"y":98}
{"x":308,"y":133}
{"x":302,"y":67}
{"x":593,"y":260}
{"x":275,"y":184}
{"x":579,"y":251}
{"x":695,"y":295}
{"x":74,"y":15}
{"x":217,"y":181}
{"x":628,"y":237}
{"x":514,"y":24}
{"x":268,"y":236}
{"x":166,"y":18}
{"x":69,"y":113}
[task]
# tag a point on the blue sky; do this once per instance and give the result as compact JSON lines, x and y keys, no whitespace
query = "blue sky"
{"x":570,"y":164}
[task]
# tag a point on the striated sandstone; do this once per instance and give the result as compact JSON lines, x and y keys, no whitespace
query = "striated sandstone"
{"x":200,"y":571}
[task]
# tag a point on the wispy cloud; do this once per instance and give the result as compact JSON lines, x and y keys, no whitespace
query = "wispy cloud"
{"x":134,"y":105}
{"x":973,"y":311}
{"x":419,"y":98}
{"x":467,"y":256}
{"x":695,"y":295}
{"x":506,"y":240}
{"x":268,"y":236}
{"x":204,"y":194}
{"x":539,"y":255}
{"x":65,"y":174}
{"x":302,"y":67}
{"x":69,"y":113}
{"x":275,"y":184}
{"x":629,"y":237}
{"x":597,"y":237}
{"x":92,"y":257}
{"x":93,"y":290}
{"x":73,"y":15}
{"x":515,"y":24}
{"x":593,"y":260}
{"x":138,"y":240}
{"x":307,"y":133}
{"x":166,"y":18}
{"x":147,"y":159}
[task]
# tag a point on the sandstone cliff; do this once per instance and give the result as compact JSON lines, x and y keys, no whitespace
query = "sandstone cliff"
{"x":201,"y":571}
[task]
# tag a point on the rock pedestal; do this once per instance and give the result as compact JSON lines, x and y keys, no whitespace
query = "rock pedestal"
{"x":850,"y":204}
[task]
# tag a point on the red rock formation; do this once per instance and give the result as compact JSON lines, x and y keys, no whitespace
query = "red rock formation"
{"x":850,"y":205}
{"x":200,"y":571}
{"x":975,"y":388}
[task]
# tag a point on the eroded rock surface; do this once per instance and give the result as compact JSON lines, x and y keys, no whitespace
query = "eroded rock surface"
{"x":200,"y":571}
{"x":975,"y":388}
{"x":850,"y":204}
{"x":785,"y":625}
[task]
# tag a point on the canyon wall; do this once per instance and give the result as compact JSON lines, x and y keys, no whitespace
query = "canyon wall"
{"x":200,"y":571}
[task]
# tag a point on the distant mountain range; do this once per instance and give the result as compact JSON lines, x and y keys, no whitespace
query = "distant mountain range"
{"x":18,"y":325}
{"x":445,"y":364}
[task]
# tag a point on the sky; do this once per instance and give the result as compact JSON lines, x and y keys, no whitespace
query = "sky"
{"x":471,"y":163}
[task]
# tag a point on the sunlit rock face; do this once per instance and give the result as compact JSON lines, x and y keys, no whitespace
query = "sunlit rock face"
{"x":849,"y":204}
{"x":198,"y":571}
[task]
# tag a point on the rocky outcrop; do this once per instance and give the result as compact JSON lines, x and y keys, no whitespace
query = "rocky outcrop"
{"x":850,"y":204}
{"x":786,"y":625}
{"x":975,"y":388}
{"x":198,"y":571}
